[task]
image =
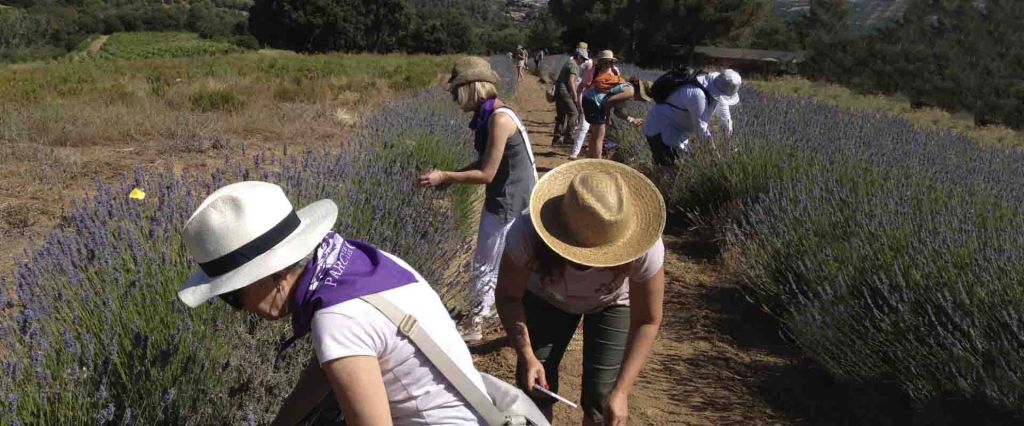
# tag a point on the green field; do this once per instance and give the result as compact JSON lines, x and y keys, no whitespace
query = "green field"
{"x":151,"y":45}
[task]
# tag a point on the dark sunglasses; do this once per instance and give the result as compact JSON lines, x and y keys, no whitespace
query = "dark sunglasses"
{"x":233,"y":298}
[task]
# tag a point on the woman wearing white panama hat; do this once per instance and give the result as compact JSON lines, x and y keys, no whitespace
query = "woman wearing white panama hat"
{"x":590,"y":247}
{"x":258,"y":254}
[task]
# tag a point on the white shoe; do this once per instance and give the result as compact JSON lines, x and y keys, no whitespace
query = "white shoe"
{"x":473,"y":333}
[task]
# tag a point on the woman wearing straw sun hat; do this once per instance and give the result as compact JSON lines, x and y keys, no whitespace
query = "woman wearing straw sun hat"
{"x":590,"y":247}
{"x":607,"y":91}
{"x":505,"y":166}
{"x":260,"y":255}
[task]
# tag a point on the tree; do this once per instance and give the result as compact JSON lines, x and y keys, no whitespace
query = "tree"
{"x":545,"y":33}
{"x":650,"y":31}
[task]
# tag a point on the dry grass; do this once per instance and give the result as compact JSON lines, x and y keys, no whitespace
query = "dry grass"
{"x":64,"y":124}
{"x":928,"y":118}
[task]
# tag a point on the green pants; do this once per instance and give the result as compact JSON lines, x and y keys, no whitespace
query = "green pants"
{"x":604,"y":345}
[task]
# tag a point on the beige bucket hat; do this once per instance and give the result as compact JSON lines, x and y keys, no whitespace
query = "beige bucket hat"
{"x":597,"y":213}
{"x":471,"y":69}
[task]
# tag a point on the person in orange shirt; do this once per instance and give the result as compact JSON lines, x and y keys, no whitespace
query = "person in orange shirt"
{"x":607,"y":90}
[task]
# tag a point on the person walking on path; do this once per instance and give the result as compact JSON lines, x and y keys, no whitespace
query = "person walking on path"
{"x":505,"y":166}
{"x":590,"y":247}
{"x":521,"y":57}
{"x":586,"y":78}
{"x":538,"y":58}
{"x":607,"y":90}
{"x":686,"y":111}
{"x":259,"y":255}
{"x":567,"y":108}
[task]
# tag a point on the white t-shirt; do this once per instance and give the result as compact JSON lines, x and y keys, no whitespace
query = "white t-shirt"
{"x":417,"y":392}
{"x":578,"y":291}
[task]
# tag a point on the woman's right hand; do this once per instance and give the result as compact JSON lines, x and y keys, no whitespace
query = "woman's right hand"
{"x":533,"y":374}
{"x":433,"y":179}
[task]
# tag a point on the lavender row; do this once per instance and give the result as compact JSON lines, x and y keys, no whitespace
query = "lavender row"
{"x":93,"y":332}
{"x":888,"y":252}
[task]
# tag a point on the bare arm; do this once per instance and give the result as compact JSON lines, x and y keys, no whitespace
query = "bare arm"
{"x":360,"y":390}
{"x":508,"y":295}
{"x":501,"y":128}
{"x":311,"y":388}
{"x":573,"y":81}
{"x":645,"y":310}
{"x":617,"y":99}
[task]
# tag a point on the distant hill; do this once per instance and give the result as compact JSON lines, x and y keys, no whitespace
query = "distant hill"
{"x":865,"y":14}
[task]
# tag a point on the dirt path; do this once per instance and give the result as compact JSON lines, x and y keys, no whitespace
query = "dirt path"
{"x":719,"y":360}
{"x":97,"y":44}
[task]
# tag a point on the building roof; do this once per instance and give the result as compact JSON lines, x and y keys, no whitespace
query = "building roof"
{"x":750,"y":54}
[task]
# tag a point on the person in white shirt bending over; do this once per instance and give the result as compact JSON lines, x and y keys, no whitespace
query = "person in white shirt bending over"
{"x":260,"y":255}
{"x":684,"y":108}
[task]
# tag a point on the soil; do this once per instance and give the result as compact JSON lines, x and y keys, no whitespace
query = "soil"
{"x":719,"y":360}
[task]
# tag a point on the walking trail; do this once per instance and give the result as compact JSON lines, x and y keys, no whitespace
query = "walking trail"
{"x":718,"y":360}
{"x":97,"y":44}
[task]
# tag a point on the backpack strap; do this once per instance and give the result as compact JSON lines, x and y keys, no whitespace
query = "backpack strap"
{"x":526,"y":138}
{"x":410,"y":328}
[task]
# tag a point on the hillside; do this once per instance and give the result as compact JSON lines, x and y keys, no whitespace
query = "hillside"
{"x":865,"y":14}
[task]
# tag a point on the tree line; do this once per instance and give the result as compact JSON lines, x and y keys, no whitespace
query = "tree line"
{"x":39,"y":29}
{"x":960,"y":55}
{"x":416,"y":26}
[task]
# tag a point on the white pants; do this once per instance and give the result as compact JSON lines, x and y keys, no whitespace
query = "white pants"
{"x":581,"y":136}
{"x":490,"y":244}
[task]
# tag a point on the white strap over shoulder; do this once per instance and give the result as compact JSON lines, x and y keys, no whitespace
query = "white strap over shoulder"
{"x":526,"y":137}
{"x":409,"y":326}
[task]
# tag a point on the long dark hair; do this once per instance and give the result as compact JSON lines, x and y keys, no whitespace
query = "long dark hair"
{"x":550,"y":265}
{"x":603,"y":65}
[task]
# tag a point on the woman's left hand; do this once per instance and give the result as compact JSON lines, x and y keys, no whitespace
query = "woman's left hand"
{"x":617,"y":409}
{"x":433,"y":179}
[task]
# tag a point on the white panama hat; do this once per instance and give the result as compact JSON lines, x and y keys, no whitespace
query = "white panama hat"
{"x":246,"y":231}
{"x":725,"y":86}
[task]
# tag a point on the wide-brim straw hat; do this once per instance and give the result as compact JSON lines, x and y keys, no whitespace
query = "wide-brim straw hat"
{"x":725,"y":86}
{"x":471,"y":69}
{"x":246,"y":231}
{"x":597,"y":213}
{"x":606,"y":55}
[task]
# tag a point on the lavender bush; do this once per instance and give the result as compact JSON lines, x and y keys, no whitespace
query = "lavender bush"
{"x":887,"y":252}
{"x":93,"y":332}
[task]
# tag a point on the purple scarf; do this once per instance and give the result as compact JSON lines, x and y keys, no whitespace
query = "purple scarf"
{"x":341,"y":270}
{"x":483,"y":114}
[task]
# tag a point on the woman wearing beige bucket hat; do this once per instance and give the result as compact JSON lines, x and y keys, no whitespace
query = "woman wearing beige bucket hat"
{"x":590,"y":247}
{"x":260,"y":255}
{"x":505,"y":166}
